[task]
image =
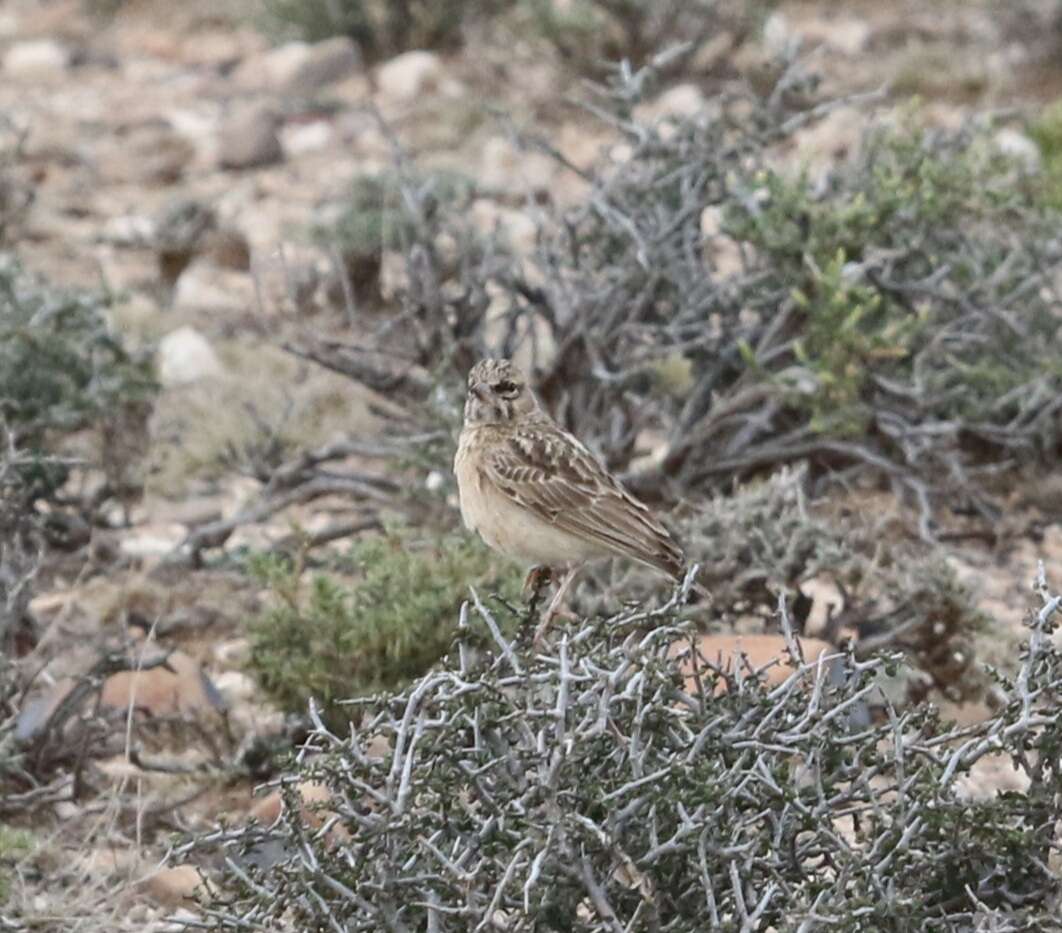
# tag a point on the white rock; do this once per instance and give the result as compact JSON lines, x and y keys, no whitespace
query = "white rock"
{"x":37,"y":58}
{"x":156,"y":540}
{"x":848,"y":35}
{"x":128,"y":230}
{"x":518,"y":229}
{"x":235,"y":686}
{"x":325,"y":62}
{"x":683,"y":100}
{"x":306,"y":137}
{"x":298,"y":67}
{"x":777,"y":33}
{"x":186,"y":356}
{"x":249,"y":139}
{"x":204,"y":286}
{"x":508,"y":168}
{"x":1018,"y":146}
{"x":273,"y":69}
{"x":410,"y":75}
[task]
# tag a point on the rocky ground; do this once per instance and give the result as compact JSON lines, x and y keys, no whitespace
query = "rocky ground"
{"x":179,"y":158}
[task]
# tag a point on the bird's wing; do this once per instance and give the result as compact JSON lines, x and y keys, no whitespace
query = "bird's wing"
{"x":552,"y":475}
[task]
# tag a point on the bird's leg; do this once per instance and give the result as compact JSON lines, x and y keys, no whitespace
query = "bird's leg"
{"x":554,"y":608}
{"x":537,"y":578}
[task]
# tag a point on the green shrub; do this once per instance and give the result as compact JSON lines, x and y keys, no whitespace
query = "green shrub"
{"x":376,"y":218}
{"x":13,"y":844}
{"x":582,"y":786}
{"x":588,"y":34}
{"x":331,"y":640}
{"x":62,"y":369}
{"x":892,"y":317}
{"x":380,"y":27}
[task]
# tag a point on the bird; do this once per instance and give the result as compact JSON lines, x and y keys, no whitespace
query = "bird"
{"x":536,"y":493}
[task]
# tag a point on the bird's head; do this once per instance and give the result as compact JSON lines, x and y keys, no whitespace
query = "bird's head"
{"x":497,"y":393}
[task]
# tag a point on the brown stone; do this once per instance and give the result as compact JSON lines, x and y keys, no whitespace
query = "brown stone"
{"x":173,"y":886}
{"x":178,"y":687}
{"x":762,"y":654}
{"x":313,"y":794}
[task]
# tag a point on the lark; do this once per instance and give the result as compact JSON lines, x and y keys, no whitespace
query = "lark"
{"x":536,"y":493}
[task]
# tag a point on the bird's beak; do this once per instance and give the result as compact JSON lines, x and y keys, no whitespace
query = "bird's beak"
{"x":477,"y":391}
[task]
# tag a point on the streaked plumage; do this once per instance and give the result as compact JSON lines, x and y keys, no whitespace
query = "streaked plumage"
{"x":537,"y":494}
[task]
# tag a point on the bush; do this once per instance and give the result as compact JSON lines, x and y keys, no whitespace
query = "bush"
{"x":584,"y":786}
{"x":331,"y":640}
{"x":381,"y":27}
{"x":62,"y":369}
{"x":588,"y":34}
{"x":375,"y":218}
{"x":892,"y":319}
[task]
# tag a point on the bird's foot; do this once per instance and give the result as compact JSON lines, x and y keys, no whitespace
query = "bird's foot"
{"x":537,"y":579}
{"x":555,"y":609}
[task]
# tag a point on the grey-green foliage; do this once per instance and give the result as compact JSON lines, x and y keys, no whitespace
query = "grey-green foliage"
{"x":329,"y":638}
{"x":62,"y":366}
{"x":893,"y":316}
{"x":381,"y":27}
{"x":767,"y":539}
{"x":581,"y":786}
{"x":378,"y":216}
{"x":589,"y":34}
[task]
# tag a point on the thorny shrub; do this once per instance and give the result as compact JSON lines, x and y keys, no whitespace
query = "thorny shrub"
{"x":63,"y":369}
{"x":586,"y":786}
{"x":893,"y":318}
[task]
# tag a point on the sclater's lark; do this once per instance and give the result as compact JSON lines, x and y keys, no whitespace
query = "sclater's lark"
{"x":536,"y":494}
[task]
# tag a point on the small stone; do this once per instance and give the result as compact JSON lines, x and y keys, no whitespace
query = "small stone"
{"x":37,"y":710}
{"x":173,"y":886}
{"x":683,"y":100}
{"x":314,"y":797}
{"x":1017,"y":145}
{"x":323,"y":63}
{"x":236,"y":686}
{"x":307,"y":137}
{"x":37,"y":58}
{"x":179,"y":686}
{"x":152,"y":540}
{"x":727,"y":652}
{"x":232,"y":653}
{"x":250,"y":140}
{"x":150,"y":154}
{"x":299,"y":67}
{"x":186,"y":356}
{"x":848,"y":35}
{"x":205,"y":286}
{"x":409,"y":76}
{"x":128,"y":230}
{"x":508,"y":168}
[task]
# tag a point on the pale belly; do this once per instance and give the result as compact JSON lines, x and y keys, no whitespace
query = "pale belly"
{"x":513,"y":531}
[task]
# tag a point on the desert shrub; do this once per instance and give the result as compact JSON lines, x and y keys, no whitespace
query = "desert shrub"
{"x":768,"y":539}
{"x":381,"y":27}
{"x":16,"y":194}
{"x":892,"y":318}
{"x":13,"y":844}
{"x":330,"y":639}
{"x":62,"y":369}
{"x":585,"y":786}
{"x":589,"y":34}
{"x":1046,"y":130}
{"x":375,"y":218}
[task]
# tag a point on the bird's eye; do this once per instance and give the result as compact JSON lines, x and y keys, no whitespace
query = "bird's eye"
{"x":505,"y":387}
